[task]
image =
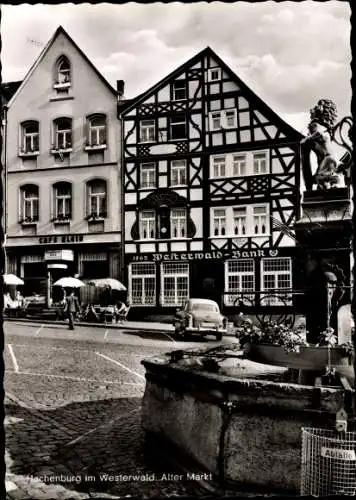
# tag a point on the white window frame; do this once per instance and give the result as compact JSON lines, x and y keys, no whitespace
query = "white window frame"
{"x":32,"y":201}
{"x":240,"y":269}
{"x":148,"y":273}
{"x":239,"y":220}
{"x":241,"y":163}
{"x":260,"y":219}
{"x":178,"y":222}
{"x":179,"y":169}
{"x":65,"y":134}
{"x":211,"y":72}
{"x":258,"y":162}
{"x":147,"y":222}
{"x":173,"y":122}
{"x":274,"y":275}
{"x":177,"y":89}
{"x":95,"y":130}
{"x":32,"y":136}
{"x":147,"y":131}
{"x":216,"y":120}
{"x":219,"y":222}
{"x":219,"y":167}
{"x":174,"y":271}
{"x":230,"y":221}
{"x":60,"y":72}
{"x":61,"y":200}
{"x":97,"y":198}
{"x":147,"y":175}
{"x":220,"y":121}
{"x":233,"y":113}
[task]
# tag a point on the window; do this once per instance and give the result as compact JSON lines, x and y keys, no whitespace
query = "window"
{"x":178,"y":127}
{"x":277,"y":277}
{"x":29,"y":209}
{"x":216,"y":120}
{"x":178,"y":223}
{"x":96,"y":131}
{"x":142,"y":286}
{"x":249,"y":220}
{"x":240,"y":221}
{"x":219,"y":222}
{"x":214,"y":74}
{"x":178,"y":173}
{"x":147,"y":131}
{"x":30,"y":137}
{"x":239,"y":165}
{"x":148,"y":225}
{"x":63,"y":133}
{"x":175,"y":284}
{"x":239,"y":279}
{"x":62,"y":200}
{"x":223,"y":119}
{"x":97,"y":199}
{"x":260,"y":163}
{"x":179,"y":90}
{"x":148,"y":175}
{"x":260,"y":219}
{"x":63,"y":74}
{"x":219,"y":166}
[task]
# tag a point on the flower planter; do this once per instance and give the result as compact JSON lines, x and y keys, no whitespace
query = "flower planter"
{"x":308,"y":358}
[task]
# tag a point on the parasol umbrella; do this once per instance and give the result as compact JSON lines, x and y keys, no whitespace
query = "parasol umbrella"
{"x":11,"y":279}
{"x":69,"y":282}
{"x":107,"y":283}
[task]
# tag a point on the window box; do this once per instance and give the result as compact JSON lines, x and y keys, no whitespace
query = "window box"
{"x":64,"y":85}
{"x":61,"y":219}
{"x":62,"y":151}
{"x":96,"y":217}
{"x":27,"y":221}
{"x":95,"y":147}
{"x":28,"y":154}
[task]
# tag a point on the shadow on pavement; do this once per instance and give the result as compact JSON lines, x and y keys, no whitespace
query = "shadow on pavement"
{"x":89,"y":447}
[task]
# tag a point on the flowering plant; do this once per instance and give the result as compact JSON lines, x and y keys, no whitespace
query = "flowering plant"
{"x":328,"y":338}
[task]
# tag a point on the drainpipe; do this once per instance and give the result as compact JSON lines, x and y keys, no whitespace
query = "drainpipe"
{"x":122,"y":196}
{"x":4,"y":124}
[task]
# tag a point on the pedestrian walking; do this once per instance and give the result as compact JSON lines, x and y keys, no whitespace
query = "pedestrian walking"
{"x":71,"y":308}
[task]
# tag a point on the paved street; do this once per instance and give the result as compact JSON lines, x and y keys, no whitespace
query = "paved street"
{"x":73,"y":410}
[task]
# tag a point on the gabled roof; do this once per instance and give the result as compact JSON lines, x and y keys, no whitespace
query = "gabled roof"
{"x":8,"y":89}
{"x":59,"y":30}
{"x":209,"y":52}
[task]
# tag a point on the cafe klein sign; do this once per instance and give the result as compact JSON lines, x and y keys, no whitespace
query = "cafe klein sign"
{"x":65,"y":238}
{"x":188,"y":256}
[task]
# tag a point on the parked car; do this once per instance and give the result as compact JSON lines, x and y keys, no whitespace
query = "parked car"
{"x":201,"y":317}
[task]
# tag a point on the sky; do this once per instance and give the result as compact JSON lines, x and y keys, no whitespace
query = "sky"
{"x":289,"y":53}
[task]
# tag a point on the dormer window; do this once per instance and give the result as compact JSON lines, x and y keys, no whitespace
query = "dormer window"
{"x":63,"y":73}
{"x":96,"y":133}
{"x":62,"y":134}
{"x":30,"y":138}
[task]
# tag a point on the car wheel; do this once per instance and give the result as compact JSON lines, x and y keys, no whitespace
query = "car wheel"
{"x":219,"y":336}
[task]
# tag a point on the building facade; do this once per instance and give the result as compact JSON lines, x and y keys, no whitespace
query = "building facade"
{"x":63,"y":181}
{"x":211,"y":192}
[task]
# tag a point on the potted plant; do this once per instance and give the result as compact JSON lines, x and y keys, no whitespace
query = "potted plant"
{"x":282,"y":345}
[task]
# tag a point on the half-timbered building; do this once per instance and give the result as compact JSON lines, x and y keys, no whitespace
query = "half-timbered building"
{"x":211,"y":191}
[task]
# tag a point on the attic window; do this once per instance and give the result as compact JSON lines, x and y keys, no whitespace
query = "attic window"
{"x":63,"y":73}
{"x":214,"y":74}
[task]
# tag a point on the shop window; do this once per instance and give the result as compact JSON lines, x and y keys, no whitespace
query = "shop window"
{"x":179,"y":90}
{"x":174,"y":284}
{"x":29,"y":205}
{"x":96,"y":133}
{"x":178,"y":127}
{"x":62,"y":198}
{"x":30,"y":138}
{"x":147,"y":225}
{"x":63,"y":73}
{"x":178,"y":223}
{"x":276,"y":277}
{"x":147,"y":131}
{"x":178,"y":173}
{"x":62,"y":134}
{"x":142,"y":284}
{"x":147,"y":175}
{"x":96,"y":199}
{"x":239,"y":281}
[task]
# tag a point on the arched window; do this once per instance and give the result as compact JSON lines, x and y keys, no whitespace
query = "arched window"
{"x":30,"y":137}
{"x":62,"y":201}
{"x":62,"y":133}
{"x":97,"y":198}
{"x":29,"y":203}
{"x":63,"y":72}
{"x":96,"y":135}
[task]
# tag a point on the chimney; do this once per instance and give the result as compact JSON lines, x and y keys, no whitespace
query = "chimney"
{"x":120,"y":88}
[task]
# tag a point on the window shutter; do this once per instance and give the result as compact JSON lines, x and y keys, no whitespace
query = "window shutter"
{"x":86,"y":131}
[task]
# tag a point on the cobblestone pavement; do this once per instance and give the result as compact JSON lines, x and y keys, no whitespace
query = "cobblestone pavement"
{"x":73,"y":418}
